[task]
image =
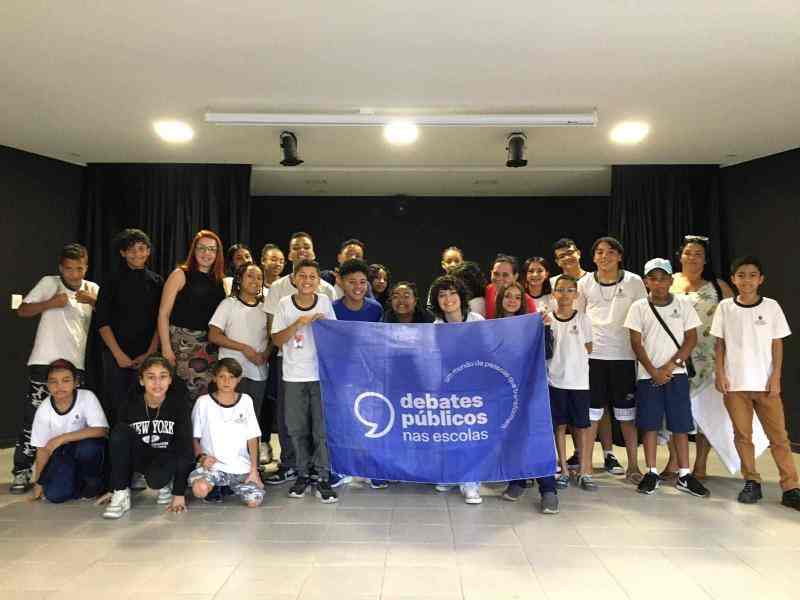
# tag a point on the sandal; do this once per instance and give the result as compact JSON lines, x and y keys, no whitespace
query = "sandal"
{"x":667,"y":475}
{"x":633,"y":477}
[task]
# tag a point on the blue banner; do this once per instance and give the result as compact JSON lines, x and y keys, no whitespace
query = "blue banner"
{"x":446,"y":403}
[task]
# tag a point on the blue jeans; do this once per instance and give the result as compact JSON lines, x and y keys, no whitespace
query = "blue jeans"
{"x":75,"y":470}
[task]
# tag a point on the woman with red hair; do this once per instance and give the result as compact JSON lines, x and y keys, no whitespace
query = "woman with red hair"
{"x":191,"y":295}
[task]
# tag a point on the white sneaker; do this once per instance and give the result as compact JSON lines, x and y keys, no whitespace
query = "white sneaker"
{"x":441,"y":487}
{"x":165,"y":494}
{"x":471,"y":493}
{"x":138,"y":482}
{"x":119,"y":505}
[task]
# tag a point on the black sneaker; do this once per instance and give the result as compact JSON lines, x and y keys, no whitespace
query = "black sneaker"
{"x":611,"y":465}
{"x":691,"y":485}
{"x":751,"y":492}
{"x":574,"y":462}
{"x":649,"y":483}
{"x":282,"y":475}
{"x":791,"y":498}
{"x":513,"y":492}
{"x":21,"y":482}
{"x":299,"y":488}
{"x":325,"y":492}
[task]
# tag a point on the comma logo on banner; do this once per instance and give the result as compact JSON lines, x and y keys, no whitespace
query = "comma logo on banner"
{"x":373,"y":426}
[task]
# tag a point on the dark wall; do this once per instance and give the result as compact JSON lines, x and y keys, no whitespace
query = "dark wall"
{"x":408,"y":234}
{"x":762,"y":217}
{"x":39,"y":200}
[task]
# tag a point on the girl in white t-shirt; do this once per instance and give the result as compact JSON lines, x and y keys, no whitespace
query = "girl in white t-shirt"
{"x":68,"y":432}
{"x":536,"y":271}
{"x":226,"y":436}
{"x":449,"y":297}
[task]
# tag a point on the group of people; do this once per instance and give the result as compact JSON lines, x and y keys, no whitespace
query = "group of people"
{"x":198,"y":368}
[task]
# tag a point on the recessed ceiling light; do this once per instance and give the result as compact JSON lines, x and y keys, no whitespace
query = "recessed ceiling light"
{"x":630,"y":132}
{"x":173,"y":131}
{"x":400,"y":132}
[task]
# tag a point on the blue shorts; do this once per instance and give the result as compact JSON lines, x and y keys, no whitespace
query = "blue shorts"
{"x":653,"y":403}
{"x":570,"y":407}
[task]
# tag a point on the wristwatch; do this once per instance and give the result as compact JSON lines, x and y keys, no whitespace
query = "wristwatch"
{"x":679,"y":362}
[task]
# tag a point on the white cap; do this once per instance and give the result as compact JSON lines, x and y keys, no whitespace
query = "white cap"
{"x":658,"y":263}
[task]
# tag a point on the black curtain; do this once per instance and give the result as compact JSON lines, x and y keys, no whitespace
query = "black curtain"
{"x":169,"y":202}
{"x":653,"y":206}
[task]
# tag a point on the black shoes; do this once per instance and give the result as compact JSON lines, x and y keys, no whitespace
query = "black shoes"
{"x":751,"y":492}
{"x":612,"y":465}
{"x":649,"y":483}
{"x":791,"y":498}
{"x":691,"y":485}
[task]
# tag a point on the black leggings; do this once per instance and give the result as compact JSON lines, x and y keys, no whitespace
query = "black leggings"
{"x":159,"y":466}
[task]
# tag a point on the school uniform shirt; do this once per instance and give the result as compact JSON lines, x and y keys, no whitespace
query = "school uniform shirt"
{"x":491,"y":299}
{"x":246,"y":324}
{"x":167,"y":427}
{"x":607,"y":306}
{"x":85,"y":411}
{"x":300,"y":352}
{"x":62,"y":332}
{"x":371,"y":311}
{"x":679,"y":315}
{"x":470,"y":318}
{"x":283,"y":287}
{"x":569,"y":367}
{"x":748,"y":332}
{"x":128,"y":303}
{"x":223,"y":431}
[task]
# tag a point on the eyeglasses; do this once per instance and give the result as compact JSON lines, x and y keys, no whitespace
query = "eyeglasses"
{"x":695,"y":238}
{"x":565,"y":290}
{"x":202,"y":248}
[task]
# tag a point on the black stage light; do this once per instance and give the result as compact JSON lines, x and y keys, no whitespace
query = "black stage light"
{"x":516,"y":149}
{"x":289,"y":148}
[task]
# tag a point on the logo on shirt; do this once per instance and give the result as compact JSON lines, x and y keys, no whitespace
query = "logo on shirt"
{"x":77,"y":417}
{"x":620,"y":293}
{"x":761,"y":320}
{"x":240,"y":419}
{"x":574,"y":329}
{"x":675,"y":313}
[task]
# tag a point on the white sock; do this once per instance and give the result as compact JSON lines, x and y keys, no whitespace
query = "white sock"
{"x":609,"y":452}
{"x":683,"y":472}
{"x":653,"y":470}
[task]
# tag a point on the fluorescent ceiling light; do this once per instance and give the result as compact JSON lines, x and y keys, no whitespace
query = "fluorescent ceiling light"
{"x":629,"y":132}
{"x":370,"y":119}
{"x":400,"y":133}
{"x":173,"y":131}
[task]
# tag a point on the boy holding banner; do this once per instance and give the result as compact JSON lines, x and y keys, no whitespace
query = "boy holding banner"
{"x":291,"y":331}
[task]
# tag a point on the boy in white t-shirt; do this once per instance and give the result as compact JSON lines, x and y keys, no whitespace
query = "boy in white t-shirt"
{"x":226,"y":437}
{"x":568,"y":374}
{"x":65,"y":303}
{"x":291,"y":330}
{"x":608,"y":294}
{"x":68,"y":433}
{"x":663,"y":333}
{"x":749,"y":356}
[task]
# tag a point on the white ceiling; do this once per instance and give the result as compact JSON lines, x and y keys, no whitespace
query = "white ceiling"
{"x":83,"y":81}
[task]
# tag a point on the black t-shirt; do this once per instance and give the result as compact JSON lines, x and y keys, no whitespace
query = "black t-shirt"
{"x":128,"y":303}
{"x":168,"y":427}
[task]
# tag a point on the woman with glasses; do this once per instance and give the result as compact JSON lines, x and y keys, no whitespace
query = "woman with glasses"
{"x":191,"y":295}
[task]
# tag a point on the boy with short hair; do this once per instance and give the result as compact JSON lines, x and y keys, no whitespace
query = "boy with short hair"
{"x":568,"y":374}
{"x":354,"y":305}
{"x":749,"y":356}
{"x":301,"y":247}
{"x":351,"y":249}
{"x":127,"y":314}
{"x":663,"y":333}
{"x":66,"y":302}
{"x":291,"y":330}
{"x":608,"y":294}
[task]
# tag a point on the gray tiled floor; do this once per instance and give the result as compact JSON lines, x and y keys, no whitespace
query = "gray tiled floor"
{"x":409,"y":542}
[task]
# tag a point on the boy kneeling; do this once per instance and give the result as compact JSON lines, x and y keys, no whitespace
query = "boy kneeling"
{"x":226,"y":437}
{"x":663,"y":333}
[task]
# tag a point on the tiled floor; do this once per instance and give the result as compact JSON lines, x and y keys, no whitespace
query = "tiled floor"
{"x":409,"y":542}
